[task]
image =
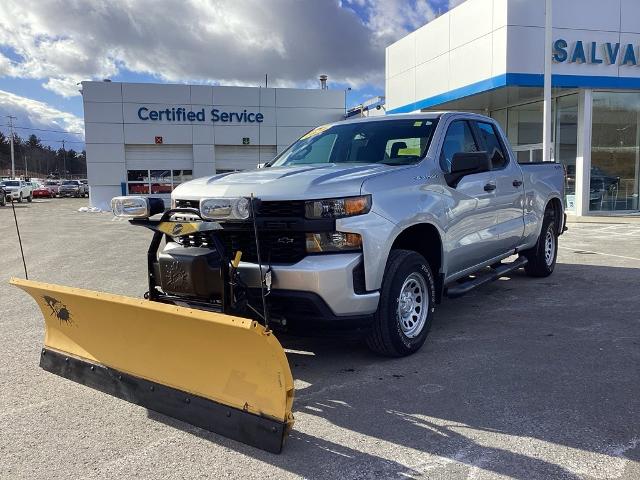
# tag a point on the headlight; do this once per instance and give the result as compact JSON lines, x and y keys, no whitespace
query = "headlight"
{"x":333,"y":242}
{"x":225,"y":208}
{"x":338,"y":207}
{"x":136,"y":207}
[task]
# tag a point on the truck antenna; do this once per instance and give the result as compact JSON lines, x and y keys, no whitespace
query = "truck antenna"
{"x":265,"y":311}
{"x":15,"y":218}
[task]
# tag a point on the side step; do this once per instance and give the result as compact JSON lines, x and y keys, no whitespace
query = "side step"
{"x":456,"y":291}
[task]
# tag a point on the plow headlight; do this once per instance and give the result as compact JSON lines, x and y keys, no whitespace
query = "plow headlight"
{"x":338,"y":207}
{"x":225,"y":208}
{"x":136,"y":207}
{"x":333,"y":242}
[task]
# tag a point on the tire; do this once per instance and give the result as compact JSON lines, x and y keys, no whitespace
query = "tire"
{"x":542,"y":258}
{"x":30,"y":198}
{"x":20,"y":198}
{"x":393,"y":335}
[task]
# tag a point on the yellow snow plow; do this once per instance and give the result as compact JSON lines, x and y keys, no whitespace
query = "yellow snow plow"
{"x":212,"y":369}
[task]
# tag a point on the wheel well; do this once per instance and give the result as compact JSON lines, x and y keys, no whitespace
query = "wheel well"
{"x":554,"y":207}
{"x":424,"y":239}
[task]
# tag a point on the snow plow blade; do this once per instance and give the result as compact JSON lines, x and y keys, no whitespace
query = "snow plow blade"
{"x":222,"y":373}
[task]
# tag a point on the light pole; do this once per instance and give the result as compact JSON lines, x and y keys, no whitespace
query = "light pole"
{"x":546,"y":121}
{"x":346,"y":90}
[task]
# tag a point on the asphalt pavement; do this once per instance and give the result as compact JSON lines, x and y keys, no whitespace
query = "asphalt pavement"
{"x":524,"y":378}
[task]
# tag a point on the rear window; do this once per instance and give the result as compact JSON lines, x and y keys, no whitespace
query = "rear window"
{"x":70,"y":182}
{"x":10,"y":183}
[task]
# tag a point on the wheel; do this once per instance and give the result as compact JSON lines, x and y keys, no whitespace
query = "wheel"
{"x":20,"y":198}
{"x":407,"y":298}
{"x":30,"y":198}
{"x":3,"y":201}
{"x":542,"y":257}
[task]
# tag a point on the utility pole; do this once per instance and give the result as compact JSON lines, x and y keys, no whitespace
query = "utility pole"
{"x":64,"y":159}
{"x":13,"y":161}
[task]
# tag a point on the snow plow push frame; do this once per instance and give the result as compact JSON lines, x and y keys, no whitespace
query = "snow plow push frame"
{"x":211,"y":369}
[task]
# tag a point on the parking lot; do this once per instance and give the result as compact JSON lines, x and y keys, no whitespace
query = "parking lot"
{"x":524,"y":378}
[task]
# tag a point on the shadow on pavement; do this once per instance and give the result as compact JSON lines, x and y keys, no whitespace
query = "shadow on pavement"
{"x":516,"y":367}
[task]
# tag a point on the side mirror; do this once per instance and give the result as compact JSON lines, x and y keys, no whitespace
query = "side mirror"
{"x":464,"y":164}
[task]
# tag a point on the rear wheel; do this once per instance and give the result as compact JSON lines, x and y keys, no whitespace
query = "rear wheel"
{"x":20,"y":198}
{"x":3,"y":200}
{"x":30,"y":198}
{"x":405,"y":312}
{"x":542,"y":258}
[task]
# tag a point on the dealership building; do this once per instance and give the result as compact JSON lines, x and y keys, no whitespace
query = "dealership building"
{"x":147,"y":138}
{"x":487,"y":56}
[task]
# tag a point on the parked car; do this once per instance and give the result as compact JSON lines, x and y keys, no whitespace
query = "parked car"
{"x":72,"y":188}
{"x":85,"y":182}
{"x":18,"y":190}
{"x":53,"y":185}
{"x":3,"y":195}
{"x":42,"y":191}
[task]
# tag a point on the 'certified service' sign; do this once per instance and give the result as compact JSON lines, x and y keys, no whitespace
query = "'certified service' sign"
{"x":182,"y":114}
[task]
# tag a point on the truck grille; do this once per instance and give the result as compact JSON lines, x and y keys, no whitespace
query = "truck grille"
{"x":271,"y":209}
{"x":275,"y":246}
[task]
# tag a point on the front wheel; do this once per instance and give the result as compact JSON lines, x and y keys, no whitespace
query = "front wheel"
{"x":20,"y":198}
{"x":542,"y":258}
{"x":405,"y":311}
{"x":30,"y":198}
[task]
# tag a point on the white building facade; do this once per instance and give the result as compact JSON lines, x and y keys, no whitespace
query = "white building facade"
{"x":487,"y":56}
{"x":148,"y":138}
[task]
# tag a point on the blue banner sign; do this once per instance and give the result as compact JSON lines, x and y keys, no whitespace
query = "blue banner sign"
{"x":180,"y":114}
{"x":609,"y":53}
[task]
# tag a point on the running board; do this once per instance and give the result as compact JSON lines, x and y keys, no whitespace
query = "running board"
{"x":495,"y":273}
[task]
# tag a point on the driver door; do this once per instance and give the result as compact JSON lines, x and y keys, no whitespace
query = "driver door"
{"x":471,"y":236}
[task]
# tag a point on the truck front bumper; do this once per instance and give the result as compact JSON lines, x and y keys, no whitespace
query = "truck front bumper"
{"x":329,"y":277}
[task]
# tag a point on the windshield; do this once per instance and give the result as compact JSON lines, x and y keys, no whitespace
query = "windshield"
{"x":392,"y":142}
{"x":10,"y":183}
{"x":70,"y":182}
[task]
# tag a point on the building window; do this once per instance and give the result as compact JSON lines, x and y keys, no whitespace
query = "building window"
{"x":155,"y":182}
{"x":615,"y":152}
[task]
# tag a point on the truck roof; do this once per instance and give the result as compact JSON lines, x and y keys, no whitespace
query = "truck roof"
{"x":410,"y":116}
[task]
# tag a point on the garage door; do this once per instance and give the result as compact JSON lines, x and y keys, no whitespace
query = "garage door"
{"x":242,"y":157}
{"x":158,"y":156}
{"x":157,"y":169}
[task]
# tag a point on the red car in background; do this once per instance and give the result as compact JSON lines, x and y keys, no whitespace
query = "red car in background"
{"x":53,"y":185}
{"x":43,"y":191}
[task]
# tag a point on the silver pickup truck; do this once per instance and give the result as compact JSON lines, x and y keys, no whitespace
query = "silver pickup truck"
{"x":369,"y":223}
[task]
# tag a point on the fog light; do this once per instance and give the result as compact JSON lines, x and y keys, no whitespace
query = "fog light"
{"x":333,"y":242}
{"x":136,"y":207}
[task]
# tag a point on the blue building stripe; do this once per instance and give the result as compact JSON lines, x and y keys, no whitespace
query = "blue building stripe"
{"x":521,"y":80}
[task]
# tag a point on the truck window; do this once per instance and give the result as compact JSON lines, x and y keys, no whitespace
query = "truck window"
{"x":459,"y":138}
{"x":492,"y":145}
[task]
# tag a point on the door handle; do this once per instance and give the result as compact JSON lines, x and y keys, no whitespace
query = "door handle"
{"x":489,"y":187}
{"x":517,"y":183}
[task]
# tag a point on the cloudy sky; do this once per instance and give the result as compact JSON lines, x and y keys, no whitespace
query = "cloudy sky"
{"x":48,"y":46}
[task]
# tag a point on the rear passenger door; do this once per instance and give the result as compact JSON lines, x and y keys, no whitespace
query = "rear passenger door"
{"x":509,"y":192}
{"x":470,"y":210}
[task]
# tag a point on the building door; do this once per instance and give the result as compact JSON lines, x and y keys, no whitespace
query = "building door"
{"x":231,"y":158}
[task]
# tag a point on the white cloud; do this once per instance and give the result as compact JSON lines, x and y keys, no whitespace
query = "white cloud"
{"x":36,"y":114}
{"x":223,"y":41}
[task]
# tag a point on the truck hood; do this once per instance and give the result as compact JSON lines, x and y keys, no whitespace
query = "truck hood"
{"x":285,"y":183}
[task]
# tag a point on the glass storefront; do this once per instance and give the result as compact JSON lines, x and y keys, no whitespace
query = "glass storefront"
{"x":565,"y":143}
{"x":523,"y":125}
{"x":615,"y":152}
